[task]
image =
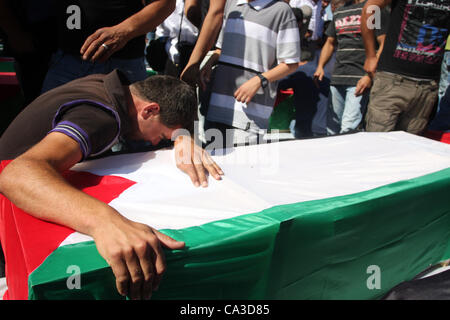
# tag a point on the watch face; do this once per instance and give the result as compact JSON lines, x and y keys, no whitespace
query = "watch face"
{"x":263,"y":81}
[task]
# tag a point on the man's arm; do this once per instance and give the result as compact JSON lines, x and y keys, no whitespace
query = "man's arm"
{"x":195,"y":161}
{"x":325,"y":55}
{"x":380,"y":40}
{"x":33,"y":183}
{"x":208,"y":34}
{"x":368,"y":34}
{"x":366,"y":81}
{"x":249,"y":88}
{"x":116,"y":37}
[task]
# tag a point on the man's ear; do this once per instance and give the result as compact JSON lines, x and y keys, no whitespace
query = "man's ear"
{"x":150,"y":109}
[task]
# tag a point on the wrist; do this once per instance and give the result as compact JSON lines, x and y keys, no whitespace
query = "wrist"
{"x":96,"y":223}
{"x":128,"y":30}
{"x":262,"y":81}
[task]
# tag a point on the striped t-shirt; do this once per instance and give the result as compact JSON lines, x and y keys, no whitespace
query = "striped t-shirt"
{"x":350,"y":53}
{"x":255,"y":37}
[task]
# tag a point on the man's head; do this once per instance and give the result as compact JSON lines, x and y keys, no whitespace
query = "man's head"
{"x":303,"y":16}
{"x":298,"y":13}
{"x":336,"y":4}
{"x":163,"y":103}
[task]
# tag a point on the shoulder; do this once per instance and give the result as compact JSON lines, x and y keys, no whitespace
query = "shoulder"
{"x":281,"y":6}
{"x":281,"y":11}
{"x":92,"y":127}
{"x":349,"y":9}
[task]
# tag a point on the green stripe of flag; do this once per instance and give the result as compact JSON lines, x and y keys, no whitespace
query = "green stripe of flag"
{"x":317,"y":249}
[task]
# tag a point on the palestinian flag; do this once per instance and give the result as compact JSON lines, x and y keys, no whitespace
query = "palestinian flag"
{"x":306,"y":219}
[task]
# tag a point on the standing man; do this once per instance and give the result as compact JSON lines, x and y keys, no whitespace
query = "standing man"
{"x":350,"y":84}
{"x":82,"y":119}
{"x":405,"y":88}
{"x":206,"y":39}
{"x":100,"y":36}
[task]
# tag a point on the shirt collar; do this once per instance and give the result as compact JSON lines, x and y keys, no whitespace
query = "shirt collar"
{"x":256,"y":4}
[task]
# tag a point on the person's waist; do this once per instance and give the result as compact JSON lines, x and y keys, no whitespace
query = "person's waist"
{"x":407,"y":78}
{"x":135,"y":48}
{"x":228,"y":64}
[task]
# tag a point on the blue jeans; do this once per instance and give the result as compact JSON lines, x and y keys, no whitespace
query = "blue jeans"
{"x":310,"y":101}
{"x":66,"y":67}
{"x":345,"y":110}
{"x":441,"y":121}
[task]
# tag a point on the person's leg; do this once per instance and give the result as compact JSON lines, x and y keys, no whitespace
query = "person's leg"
{"x":217,"y":135}
{"x":415,"y":118}
{"x":203,"y":100}
{"x":134,"y":69}
{"x":63,"y":68}
{"x":445,"y":75}
{"x":171,"y":69}
{"x":387,"y":100}
{"x":335,"y":109}
{"x":353,"y":110}
{"x":441,"y":120}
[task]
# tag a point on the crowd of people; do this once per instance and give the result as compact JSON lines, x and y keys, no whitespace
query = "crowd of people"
{"x":353,"y":65}
{"x":331,"y":62}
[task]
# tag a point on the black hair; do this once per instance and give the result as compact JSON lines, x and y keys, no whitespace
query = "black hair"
{"x":177,"y":100}
{"x":298,"y":13}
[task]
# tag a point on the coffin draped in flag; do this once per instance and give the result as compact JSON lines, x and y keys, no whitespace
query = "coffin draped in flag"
{"x":345,"y":217}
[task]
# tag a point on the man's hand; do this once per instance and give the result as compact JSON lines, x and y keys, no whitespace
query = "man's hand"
{"x":191,"y":75}
{"x":247,"y":90}
{"x":318,"y":76}
{"x":205,"y":76}
{"x":134,"y":252}
{"x":33,"y":182}
{"x":194,"y":161}
{"x":363,"y":84}
{"x":100,"y":45}
{"x":370,"y":65}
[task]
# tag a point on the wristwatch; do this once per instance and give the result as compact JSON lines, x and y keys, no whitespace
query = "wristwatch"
{"x":264,"y":81}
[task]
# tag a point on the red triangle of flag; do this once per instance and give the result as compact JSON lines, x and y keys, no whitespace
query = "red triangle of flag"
{"x":28,"y":241}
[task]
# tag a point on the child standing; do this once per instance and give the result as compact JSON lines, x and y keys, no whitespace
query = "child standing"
{"x":259,"y":44}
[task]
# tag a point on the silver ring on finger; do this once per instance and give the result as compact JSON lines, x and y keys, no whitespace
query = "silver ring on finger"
{"x":105,"y":46}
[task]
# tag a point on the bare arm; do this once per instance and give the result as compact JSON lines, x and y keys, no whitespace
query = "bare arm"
{"x":368,"y":34}
{"x":33,"y":182}
{"x":247,"y":90}
{"x":208,"y":34}
{"x":380,"y":40}
{"x":116,"y":37}
{"x":325,"y":55}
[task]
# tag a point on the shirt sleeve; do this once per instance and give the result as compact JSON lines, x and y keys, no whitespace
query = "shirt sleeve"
{"x":93,"y":127}
{"x":331,"y":30}
{"x":384,"y":15}
{"x":288,"y":42}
